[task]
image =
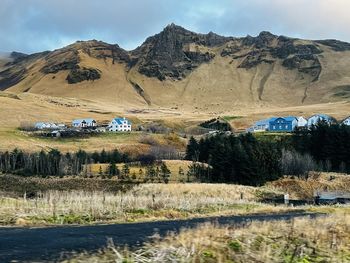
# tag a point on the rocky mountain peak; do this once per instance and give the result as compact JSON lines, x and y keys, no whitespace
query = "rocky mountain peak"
{"x":175,"y":52}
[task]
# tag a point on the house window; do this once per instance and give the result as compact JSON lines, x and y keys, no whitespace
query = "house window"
{"x":274,"y":127}
{"x":286,"y":126}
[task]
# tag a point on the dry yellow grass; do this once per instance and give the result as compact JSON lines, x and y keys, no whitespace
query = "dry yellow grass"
{"x":305,"y":189}
{"x":140,"y":203}
{"x":139,"y":171}
{"x":325,"y":239}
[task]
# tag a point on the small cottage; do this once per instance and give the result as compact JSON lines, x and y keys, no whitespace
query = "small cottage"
{"x":260,"y":126}
{"x":302,"y":122}
{"x":314,"y":119}
{"x":84,"y":123}
{"x":119,"y":125}
{"x":283,"y":124}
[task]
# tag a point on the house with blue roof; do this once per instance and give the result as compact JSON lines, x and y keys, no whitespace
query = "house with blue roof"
{"x":283,"y":124}
{"x":260,"y":126}
{"x":314,"y":119}
{"x":84,"y":123}
{"x":119,"y":125}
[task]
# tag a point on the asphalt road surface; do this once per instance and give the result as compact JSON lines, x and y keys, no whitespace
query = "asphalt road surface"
{"x":50,"y":243}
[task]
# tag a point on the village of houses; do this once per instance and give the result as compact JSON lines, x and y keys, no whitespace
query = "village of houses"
{"x":83,"y":126}
{"x":291,"y":123}
{"x":121,"y":124}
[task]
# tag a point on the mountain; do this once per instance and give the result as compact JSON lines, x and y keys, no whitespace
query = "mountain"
{"x":181,"y":69}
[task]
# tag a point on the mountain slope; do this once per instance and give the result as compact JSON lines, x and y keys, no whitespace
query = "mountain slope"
{"x":193,"y":72}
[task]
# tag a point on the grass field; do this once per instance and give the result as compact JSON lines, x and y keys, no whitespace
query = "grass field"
{"x":325,"y":239}
{"x":126,"y":203}
{"x":127,"y":142}
{"x":76,"y":200}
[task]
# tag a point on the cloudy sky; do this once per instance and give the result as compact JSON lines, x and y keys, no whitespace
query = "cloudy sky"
{"x":37,"y":25}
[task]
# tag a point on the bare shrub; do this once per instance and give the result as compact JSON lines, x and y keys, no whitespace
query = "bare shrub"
{"x":27,"y":126}
{"x":294,"y":163}
{"x":164,"y":152}
{"x":148,"y":139}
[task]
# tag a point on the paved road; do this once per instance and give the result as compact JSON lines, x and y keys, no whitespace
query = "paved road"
{"x":48,"y":244}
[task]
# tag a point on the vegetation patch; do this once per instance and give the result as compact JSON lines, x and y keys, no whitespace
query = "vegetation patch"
{"x":109,"y":201}
{"x":78,"y":74}
{"x":231,"y":118}
{"x":324,"y":239}
{"x":216,"y":124}
{"x":342,"y":91}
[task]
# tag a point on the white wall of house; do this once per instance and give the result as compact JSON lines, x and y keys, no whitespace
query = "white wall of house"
{"x":313,"y":120}
{"x":119,"y":125}
{"x":302,"y":122}
{"x":45,"y":125}
{"x":84,"y":123}
{"x":346,"y":121}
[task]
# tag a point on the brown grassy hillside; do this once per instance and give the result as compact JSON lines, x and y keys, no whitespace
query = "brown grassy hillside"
{"x":190,"y":72}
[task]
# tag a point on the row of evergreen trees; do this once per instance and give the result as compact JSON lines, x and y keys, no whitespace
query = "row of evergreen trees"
{"x":236,"y":159}
{"x":329,"y":145}
{"x":244,"y":159}
{"x":55,"y":163}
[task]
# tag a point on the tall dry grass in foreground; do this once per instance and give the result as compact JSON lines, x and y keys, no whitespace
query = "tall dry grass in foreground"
{"x":146,"y":201}
{"x":301,"y":240}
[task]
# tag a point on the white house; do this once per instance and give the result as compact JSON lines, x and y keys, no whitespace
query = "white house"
{"x":45,"y":125}
{"x":119,"y":125}
{"x":84,"y":123}
{"x":313,"y":120}
{"x":302,"y":122}
{"x":260,"y":126}
{"x":346,"y":121}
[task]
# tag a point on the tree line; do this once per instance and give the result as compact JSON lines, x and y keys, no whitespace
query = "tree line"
{"x":246,"y":159}
{"x":236,"y":159}
{"x":55,"y":163}
{"x":329,"y":146}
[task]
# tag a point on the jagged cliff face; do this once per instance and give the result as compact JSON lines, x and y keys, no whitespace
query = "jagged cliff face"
{"x":180,"y":68}
{"x":176,"y":52}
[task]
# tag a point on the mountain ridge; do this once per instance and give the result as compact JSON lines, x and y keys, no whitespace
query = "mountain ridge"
{"x":177,"y":67}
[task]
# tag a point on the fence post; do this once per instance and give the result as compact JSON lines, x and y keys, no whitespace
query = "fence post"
{"x":286,"y":199}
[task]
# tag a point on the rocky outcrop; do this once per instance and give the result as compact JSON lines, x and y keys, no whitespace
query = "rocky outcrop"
{"x":17,"y":56}
{"x":269,"y":48}
{"x":16,"y":70}
{"x":11,"y":77}
{"x":336,"y":45}
{"x":78,"y":74}
{"x":175,"y":52}
{"x":64,"y":59}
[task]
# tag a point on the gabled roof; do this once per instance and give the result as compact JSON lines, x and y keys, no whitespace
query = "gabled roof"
{"x":45,"y":123}
{"x":347,"y":118}
{"x":324,"y":116}
{"x":288,"y":118}
{"x":121,"y":120}
{"x":262,"y":122}
{"x":88,"y":120}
